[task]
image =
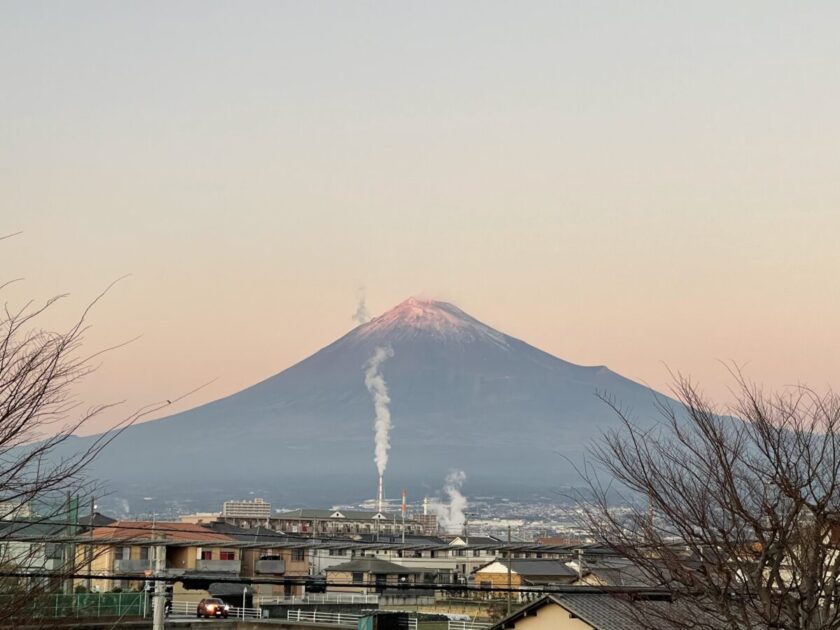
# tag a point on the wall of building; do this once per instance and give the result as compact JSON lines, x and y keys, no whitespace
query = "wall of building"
{"x":551,"y":617}
{"x":181,"y":558}
{"x":497,"y":580}
{"x":345,"y":579}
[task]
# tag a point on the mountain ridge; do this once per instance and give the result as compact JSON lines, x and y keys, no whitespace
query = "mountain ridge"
{"x":463,"y":395}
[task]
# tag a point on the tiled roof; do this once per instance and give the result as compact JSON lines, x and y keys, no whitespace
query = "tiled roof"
{"x":254,"y":534}
{"x":598,"y":609}
{"x":371,"y":565}
{"x":146,"y":530}
{"x":538,"y":567}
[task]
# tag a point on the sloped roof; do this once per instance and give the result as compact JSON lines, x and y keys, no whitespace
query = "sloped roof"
{"x":599,"y":609}
{"x":628,"y":575}
{"x":12,"y":530}
{"x":372,"y":565}
{"x":474,"y":540}
{"x":147,"y":530}
{"x":253,"y":534}
{"x":350,"y":515}
{"x":535,"y":567}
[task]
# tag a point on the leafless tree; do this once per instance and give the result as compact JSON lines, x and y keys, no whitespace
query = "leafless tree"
{"x":39,"y":468}
{"x":734,"y":512}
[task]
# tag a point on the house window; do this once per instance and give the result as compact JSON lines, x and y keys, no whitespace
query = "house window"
{"x":120,"y":553}
{"x":206,"y":554}
{"x":227,"y":555}
{"x":144,"y":553}
{"x":297,"y":555}
{"x":358,"y":577}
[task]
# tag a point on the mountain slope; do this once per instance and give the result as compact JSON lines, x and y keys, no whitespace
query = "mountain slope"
{"x":463,"y":396}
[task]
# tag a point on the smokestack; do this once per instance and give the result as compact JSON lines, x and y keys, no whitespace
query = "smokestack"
{"x":379,"y":496}
{"x":425,"y":506}
{"x":375,"y":384}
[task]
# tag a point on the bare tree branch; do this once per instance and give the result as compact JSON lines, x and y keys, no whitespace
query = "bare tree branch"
{"x":734,"y":511}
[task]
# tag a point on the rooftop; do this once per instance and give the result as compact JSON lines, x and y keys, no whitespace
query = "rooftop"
{"x":535,"y":567}
{"x":350,"y":515}
{"x":148,"y":530}
{"x":598,"y":608}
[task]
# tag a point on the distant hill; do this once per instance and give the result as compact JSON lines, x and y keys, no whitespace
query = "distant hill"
{"x":463,"y":396}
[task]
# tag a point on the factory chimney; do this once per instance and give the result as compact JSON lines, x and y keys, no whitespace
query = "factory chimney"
{"x":379,"y":496}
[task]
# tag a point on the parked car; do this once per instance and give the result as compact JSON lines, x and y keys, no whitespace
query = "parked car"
{"x":212,"y":607}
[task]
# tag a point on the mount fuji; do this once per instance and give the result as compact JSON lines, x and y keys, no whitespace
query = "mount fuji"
{"x":463,"y":396}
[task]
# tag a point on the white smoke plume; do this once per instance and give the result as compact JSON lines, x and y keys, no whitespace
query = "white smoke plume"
{"x":361,"y":316}
{"x":375,"y":383}
{"x":451,"y":516}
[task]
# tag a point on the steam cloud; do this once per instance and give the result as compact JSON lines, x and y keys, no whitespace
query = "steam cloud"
{"x":361,"y":316}
{"x":451,"y":515}
{"x":375,"y":383}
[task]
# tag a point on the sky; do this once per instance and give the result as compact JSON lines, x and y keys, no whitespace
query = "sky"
{"x":651,"y":186}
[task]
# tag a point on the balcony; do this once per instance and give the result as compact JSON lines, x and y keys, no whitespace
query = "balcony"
{"x":270,"y":566}
{"x":218,"y":566}
{"x":131,"y":566}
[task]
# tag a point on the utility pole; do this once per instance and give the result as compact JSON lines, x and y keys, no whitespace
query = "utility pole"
{"x":402,"y":509}
{"x":159,"y":604}
{"x":89,"y":550}
{"x":510,"y":578}
{"x":70,"y":548}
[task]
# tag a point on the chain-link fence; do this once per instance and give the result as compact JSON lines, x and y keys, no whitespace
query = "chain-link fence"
{"x":82,"y":605}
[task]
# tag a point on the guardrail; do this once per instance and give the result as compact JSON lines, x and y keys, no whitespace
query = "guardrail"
{"x":189,"y":609}
{"x":466,"y":625}
{"x":337,"y":619}
{"x":317,"y":598}
{"x":313,"y":616}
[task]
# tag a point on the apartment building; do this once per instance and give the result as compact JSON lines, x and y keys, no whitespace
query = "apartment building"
{"x":256,"y":510}
{"x":123,"y":553}
{"x":271,"y":560}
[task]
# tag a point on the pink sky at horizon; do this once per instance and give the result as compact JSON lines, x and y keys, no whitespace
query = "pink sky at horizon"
{"x":640,"y":186}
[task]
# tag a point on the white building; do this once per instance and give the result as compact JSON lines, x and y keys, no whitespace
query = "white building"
{"x":256,"y":509}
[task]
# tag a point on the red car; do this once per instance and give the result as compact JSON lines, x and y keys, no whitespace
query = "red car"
{"x":212,"y":607}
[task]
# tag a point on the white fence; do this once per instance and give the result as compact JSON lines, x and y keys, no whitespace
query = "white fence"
{"x":467,"y":625}
{"x":340,"y":619}
{"x":189,"y":609}
{"x":313,"y":616}
{"x":319,"y":598}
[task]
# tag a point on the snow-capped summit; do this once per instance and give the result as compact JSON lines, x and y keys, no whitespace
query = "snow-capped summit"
{"x":417,"y":317}
{"x":463,"y":395}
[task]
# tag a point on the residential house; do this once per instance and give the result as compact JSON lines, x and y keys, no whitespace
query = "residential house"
{"x":372,"y":575}
{"x":272,"y":560}
{"x":591,"y":609}
{"x":25,"y":548}
{"x":525,"y":573}
{"x":125,"y":549}
{"x":458,"y":555}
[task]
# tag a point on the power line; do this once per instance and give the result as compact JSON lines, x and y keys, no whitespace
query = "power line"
{"x":286,"y":540}
{"x":308,"y":580}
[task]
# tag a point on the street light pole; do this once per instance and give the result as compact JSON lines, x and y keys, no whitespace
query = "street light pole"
{"x":160,"y":587}
{"x":510,"y":579}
